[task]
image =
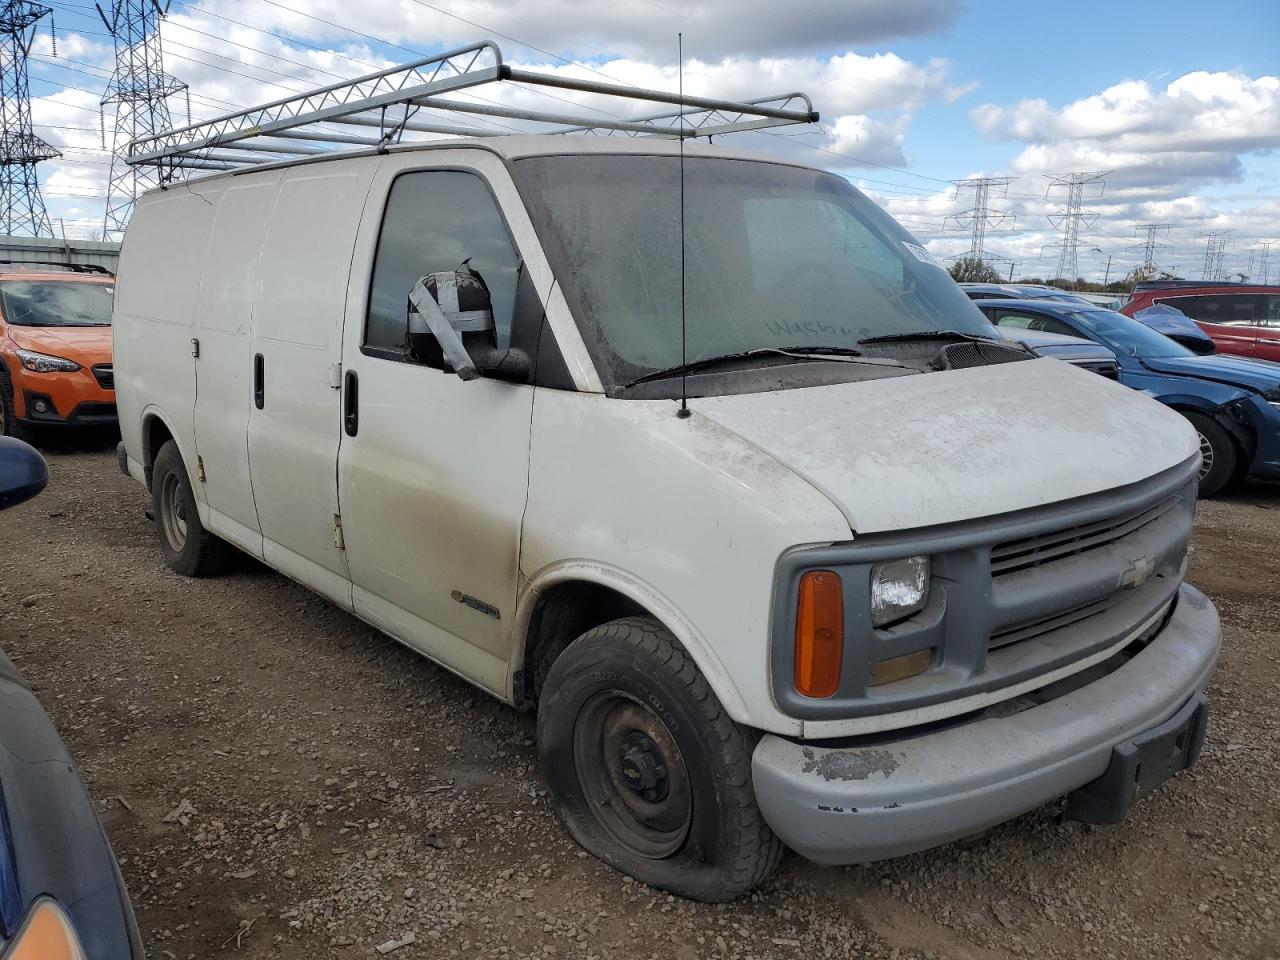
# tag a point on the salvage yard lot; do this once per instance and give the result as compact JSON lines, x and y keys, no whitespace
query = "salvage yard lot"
{"x":279,"y":780}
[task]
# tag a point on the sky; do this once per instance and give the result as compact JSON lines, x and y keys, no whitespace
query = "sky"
{"x":1175,"y":105}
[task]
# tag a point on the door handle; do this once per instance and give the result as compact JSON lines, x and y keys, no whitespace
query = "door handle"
{"x":259,"y":389}
{"x":351,"y":403}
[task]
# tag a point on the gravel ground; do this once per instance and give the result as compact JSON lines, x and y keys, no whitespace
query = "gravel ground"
{"x":334,"y":792}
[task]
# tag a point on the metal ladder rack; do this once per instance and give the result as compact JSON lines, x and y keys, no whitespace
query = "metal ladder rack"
{"x":378,"y":109}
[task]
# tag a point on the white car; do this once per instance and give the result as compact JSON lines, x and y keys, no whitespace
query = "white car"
{"x":827,"y":565}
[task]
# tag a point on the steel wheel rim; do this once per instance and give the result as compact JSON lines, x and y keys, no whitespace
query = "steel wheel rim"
{"x":1206,"y":455}
{"x":618,"y":744}
{"x":173,"y":513}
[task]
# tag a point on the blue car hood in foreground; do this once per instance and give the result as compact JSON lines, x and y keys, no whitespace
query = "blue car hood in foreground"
{"x":1261,"y":376}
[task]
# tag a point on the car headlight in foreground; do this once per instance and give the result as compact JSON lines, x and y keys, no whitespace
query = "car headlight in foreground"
{"x":45,"y":934}
{"x":45,"y":363}
{"x":899,"y":588}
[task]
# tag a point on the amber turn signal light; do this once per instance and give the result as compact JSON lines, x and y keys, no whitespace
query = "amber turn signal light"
{"x":46,"y":934}
{"x":819,"y":633}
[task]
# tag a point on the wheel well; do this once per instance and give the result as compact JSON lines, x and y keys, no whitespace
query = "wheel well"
{"x":1237,"y":426}
{"x":562,"y":614}
{"x":155,"y":434}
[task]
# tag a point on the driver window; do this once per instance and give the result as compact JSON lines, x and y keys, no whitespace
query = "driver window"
{"x":434,"y":220}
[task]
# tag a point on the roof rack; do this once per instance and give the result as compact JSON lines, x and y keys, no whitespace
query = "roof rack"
{"x":44,"y":265}
{"x":386,"y":105}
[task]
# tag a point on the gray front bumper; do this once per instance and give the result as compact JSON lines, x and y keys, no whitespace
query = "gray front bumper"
{"x":865,"y":803}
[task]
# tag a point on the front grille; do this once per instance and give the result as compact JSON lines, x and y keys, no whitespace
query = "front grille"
{"x":1014,"y":555}
{"x":105,"y":375}
{"x":1054,"y":621}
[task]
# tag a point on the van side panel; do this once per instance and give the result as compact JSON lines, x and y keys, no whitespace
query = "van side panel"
{"x":224,"y":372}
{"x":297,"y":331}
{"x":154,"y":319}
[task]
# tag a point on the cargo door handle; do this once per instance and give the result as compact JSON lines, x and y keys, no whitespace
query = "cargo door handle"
{"x":351,"y":403}
{"x":259,"y":389}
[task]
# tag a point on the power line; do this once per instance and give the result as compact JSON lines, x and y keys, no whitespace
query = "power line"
{"x":1215,"y":251}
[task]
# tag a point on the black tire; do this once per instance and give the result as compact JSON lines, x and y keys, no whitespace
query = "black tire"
{"x":188,"y":548}
{"x":1221,"y":456}
{"x":625,"y":705}
{"x":10,"y":425}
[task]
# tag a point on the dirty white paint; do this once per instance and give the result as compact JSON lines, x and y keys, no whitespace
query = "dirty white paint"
{"x":917,"y":451}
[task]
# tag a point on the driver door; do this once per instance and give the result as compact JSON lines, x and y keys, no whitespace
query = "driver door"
{"x":432,"y":470}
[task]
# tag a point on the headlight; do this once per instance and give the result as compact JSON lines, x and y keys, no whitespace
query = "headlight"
{"x":899,"y":588}
{"x":46,"y":934}
{"x":43,"y":363}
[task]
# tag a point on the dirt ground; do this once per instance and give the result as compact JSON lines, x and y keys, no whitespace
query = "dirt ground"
{"x":342,"y":792}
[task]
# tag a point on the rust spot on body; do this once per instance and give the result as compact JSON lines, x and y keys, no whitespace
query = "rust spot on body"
{"x":850,"y":765}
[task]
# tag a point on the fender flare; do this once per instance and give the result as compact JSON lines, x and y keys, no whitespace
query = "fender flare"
{"x":644,"y":595}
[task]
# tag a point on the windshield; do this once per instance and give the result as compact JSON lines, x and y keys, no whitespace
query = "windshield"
{"x":775,"y":256}
{"x":45,"y":303}
{"x":1125,"y":335}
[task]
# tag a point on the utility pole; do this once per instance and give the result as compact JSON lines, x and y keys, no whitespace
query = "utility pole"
{"x":1075,"y":186}
{"x":979,"y":216}
{"x":1106,"y":276}
{"x":20,"y":149}
{"x":1011,"y":266}
{"x":140,"y":89}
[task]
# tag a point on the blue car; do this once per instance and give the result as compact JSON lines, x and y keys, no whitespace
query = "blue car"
{"x":1233,"y":403}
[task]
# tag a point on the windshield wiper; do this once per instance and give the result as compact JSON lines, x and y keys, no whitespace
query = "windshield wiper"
{"x":849,"y":354}
{"x":929,"y":335}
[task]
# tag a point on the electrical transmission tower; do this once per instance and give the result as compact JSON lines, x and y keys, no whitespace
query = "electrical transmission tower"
{"x":1264,"y":261}
{"x":140,"y":90}
{"x":20,"y":148}
{"x":1215,"y":252}
{"x":979,"y":216}
{"x":1152,"y":245}
{"x":1076,"y":186}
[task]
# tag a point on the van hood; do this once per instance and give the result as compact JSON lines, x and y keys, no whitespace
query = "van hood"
{"x":941,"y":447}
{"x":1261,"y":376}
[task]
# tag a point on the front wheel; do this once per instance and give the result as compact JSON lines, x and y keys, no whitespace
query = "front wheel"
{"x":646,"y":770}
{"x":10,"y":425}
{"x":188,"y":548}
{"x":1219,"y":456}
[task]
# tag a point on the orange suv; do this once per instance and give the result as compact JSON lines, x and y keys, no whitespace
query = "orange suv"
{"x":55,"y":346}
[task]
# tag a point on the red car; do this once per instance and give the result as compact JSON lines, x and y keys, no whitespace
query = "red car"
{"x":1242,"y":318}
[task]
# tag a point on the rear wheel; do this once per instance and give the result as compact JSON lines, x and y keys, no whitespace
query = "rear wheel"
{"x":188,"y":548}
{"x":10,"y":425}
{"x":1219,"y":455}
{"x":646,"y":770}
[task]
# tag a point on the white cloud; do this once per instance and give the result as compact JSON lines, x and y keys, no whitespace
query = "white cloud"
{"x":641,"y":28}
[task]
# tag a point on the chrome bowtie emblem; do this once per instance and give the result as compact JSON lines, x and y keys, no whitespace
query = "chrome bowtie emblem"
{"x":1139,"y":572}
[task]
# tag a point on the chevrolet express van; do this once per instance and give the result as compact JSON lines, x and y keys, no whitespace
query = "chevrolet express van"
{"x":815,"y":561}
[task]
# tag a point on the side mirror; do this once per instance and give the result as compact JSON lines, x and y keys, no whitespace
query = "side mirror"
{"x":23,"y":472}
{"x":452,"y":310}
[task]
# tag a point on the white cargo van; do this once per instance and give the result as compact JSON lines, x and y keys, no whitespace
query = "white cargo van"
{"x":889,"y":582}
